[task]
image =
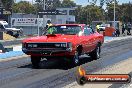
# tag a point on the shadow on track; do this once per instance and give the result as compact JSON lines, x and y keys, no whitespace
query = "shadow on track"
{"x":56,"y":64}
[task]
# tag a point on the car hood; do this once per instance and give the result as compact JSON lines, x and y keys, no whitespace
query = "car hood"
{"x":52,"y":38}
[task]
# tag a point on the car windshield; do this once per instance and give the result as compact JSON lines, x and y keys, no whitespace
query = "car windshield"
{"x":63,"y":30}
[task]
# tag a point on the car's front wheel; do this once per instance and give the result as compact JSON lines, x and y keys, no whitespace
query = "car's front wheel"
{"x":75,"y":59}
{"x":95,"y":54}
{"x":35,"y":61}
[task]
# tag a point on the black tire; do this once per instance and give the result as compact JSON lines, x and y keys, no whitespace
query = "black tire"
{"x":75,"y":59}
{"x":96,"y":53}
{"x":81,"y":80}
{"x":16,"y":35}
{"x":10,"y":33}
{"x":35,"y":61}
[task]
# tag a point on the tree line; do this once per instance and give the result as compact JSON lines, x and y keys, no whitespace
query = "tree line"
{"x":84,"y":14}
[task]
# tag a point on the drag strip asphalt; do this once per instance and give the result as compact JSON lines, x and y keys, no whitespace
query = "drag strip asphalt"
{"x":19,"y":73}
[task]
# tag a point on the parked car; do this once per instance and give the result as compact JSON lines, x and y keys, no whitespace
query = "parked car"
{"x":64,"y":42}
{"x":4,"y":27}
{"x":102,"y":27}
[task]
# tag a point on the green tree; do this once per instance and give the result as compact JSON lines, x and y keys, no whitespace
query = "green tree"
{"x":102,"y":2}
{"x":56,"y":4}
{"x":126,"y":14}
{"x":23,"y":7}
{"x":110,"y":10}
{"x":7,"y":4}
{"x":93,"y":2}
{"x":68,"y":3}
{"x":78,"y":14}
{"x":48,"y":4}
{"x":122,"y":12}
{"x":88,"y":14}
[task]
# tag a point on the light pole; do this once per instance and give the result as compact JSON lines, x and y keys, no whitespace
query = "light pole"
{"x":114,"y":13}
{"x":43,"y":15}
{"x":88,"y":17}
{"x":32,"y":2}
{"x":44,"y":19}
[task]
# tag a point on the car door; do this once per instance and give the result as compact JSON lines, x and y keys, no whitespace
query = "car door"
{"x":87,"y":39}
{"x":92,"y":39}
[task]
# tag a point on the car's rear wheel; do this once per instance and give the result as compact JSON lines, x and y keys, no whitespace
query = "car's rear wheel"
{"x":95,"y":54}
{"x":35,"y":61}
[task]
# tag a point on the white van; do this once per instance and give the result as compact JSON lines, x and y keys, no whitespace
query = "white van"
{"x":4,"y":27}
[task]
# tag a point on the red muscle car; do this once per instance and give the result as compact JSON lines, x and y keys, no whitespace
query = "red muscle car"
{"x":68,"y":41}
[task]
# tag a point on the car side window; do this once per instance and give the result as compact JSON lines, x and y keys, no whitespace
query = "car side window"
{"x":86,"y":31}
{"x":91,"y":30}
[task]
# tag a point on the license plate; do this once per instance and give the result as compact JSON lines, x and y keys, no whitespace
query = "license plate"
{"x":46,"y":52}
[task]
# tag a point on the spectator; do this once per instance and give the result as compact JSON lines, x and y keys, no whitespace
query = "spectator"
{"x":128,"y":29}
{"x":117,"y":32}
{"x":123,"y":28}
{"x":97,"y":28}
{"x":48,"y":24}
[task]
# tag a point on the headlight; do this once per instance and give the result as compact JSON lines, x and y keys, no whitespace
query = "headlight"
{"x":63,"y":45}
{"x":29,"y":46}
{"x":60,"y":45}
{"x":57,"y":45}
{"x":35,"y":45}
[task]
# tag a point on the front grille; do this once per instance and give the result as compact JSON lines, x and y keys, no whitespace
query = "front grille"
{"x":46,"y":45}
